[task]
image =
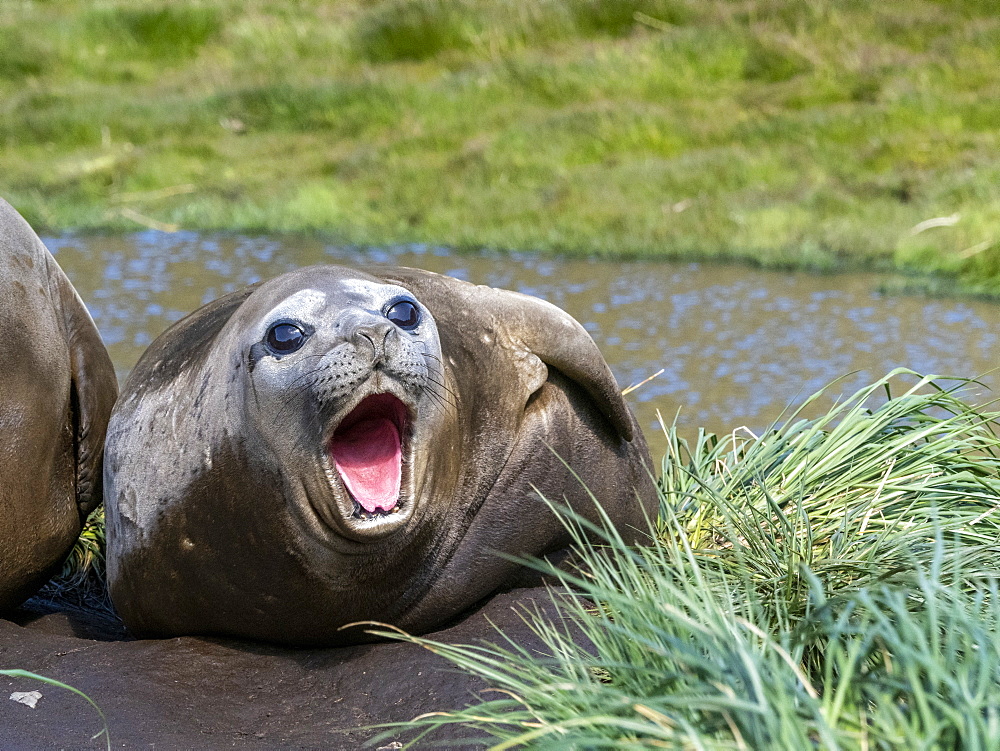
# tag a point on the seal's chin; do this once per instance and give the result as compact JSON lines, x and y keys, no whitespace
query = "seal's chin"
{"x":367,"y":451}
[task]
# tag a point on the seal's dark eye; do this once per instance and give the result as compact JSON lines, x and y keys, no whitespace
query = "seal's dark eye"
{"x":404,"y":314}
{"x":283,"y":338}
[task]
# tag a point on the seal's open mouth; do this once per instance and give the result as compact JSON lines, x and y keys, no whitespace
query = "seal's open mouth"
{"x":367,"y":450}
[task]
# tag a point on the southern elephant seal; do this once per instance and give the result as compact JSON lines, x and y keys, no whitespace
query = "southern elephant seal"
{"x":57,"y":387}
{"x":332,"y":446}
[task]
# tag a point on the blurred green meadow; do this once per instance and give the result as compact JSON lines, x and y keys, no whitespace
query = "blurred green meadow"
{"x":821,"y":134}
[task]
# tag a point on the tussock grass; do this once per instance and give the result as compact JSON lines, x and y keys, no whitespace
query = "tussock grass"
{"x":81,"y":582}
{"x":830,"y":584}
{"x":423,"y":29}
{"x":87,"y":557}
{"x":781,"y":133}
{"x":166,"y":33}
{"x":852,"y":495}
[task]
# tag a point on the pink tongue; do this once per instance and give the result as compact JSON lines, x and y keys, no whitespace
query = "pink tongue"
{"x":368,"y":458}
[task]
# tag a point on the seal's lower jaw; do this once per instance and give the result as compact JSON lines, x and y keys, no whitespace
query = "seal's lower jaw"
{"x":367,"y":453}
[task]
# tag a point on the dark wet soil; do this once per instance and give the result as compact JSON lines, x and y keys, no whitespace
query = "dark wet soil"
{"x":200,"y":693}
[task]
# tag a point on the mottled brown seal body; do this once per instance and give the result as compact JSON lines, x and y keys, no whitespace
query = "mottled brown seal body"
{"x":333,"y":446}
{"x":57,"y":387}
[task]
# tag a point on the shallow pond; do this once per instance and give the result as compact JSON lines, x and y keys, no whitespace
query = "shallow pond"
{"x":736,"y":345}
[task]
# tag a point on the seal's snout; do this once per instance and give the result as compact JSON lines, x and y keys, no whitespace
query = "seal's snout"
{"x":367,"y":450}
{"x":376,"y":336}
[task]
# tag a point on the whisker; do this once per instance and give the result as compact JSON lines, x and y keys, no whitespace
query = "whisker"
{"x":436,"y":388}
{"x":441,"y":385}
{"x":452,"y":397}
{"x":438,"y":399}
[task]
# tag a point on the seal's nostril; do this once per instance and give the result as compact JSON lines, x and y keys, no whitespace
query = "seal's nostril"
{"x":376,"y":336}
{"x":376,"y":353}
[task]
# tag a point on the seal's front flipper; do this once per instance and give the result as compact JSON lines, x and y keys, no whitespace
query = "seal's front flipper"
{"x":529,"y":324}
{"x":560,"y":341}
{"x":94,"y":389}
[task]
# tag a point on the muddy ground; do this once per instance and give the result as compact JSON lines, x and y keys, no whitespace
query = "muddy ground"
{"x":201,"y":693}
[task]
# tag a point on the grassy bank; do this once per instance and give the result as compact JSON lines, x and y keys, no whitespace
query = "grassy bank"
{"x":776,"y":132}
{"x":830,"y":585}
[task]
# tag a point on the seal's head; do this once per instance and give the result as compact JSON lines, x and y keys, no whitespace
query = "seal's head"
{"x":351,"y":368}
{"x":334,"y":445}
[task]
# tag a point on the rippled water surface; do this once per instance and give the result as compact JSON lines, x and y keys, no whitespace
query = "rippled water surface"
{"x":736,"y":345}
